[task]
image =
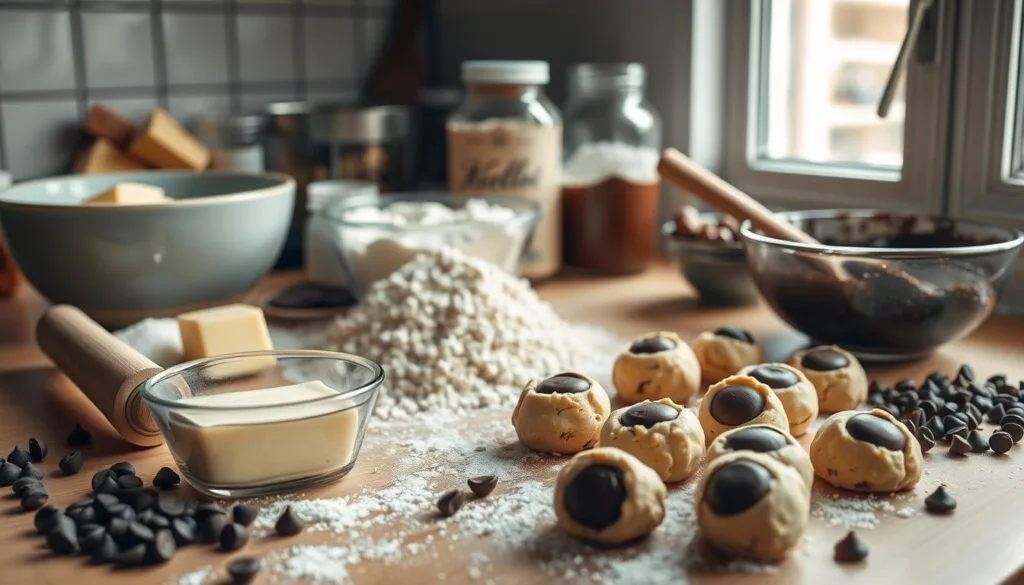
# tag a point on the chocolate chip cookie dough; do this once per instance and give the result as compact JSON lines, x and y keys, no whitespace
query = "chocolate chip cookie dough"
{"x":608,"y":496}
{"x":663,"y":435}
{"x":866,"y":452}
{"x":657,"y":365}
{"x":837,"y":376}
{"x":766,"y":439}
{"x":752,"y":505}
{"x":794,"y":390}
{"x":740,"y":401}
{"x":724,"y":351}
{"x":561,"y":414}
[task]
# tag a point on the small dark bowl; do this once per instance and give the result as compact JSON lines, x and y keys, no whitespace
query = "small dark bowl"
{"x":909,"y":283}
{"x":718,"y":270}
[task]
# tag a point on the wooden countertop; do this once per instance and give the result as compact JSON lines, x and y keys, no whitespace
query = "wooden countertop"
{"x":980,"y":544}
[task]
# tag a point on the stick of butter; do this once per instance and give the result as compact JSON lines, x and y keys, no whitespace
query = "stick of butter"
{"x":130,"y":194}
{"x":223,"y":330}
{"x":239,"y":447}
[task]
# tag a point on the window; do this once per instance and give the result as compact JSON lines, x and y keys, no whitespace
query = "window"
{"x":812,"y":72}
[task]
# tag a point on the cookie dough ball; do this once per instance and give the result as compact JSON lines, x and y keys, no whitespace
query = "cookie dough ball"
{"x":663,"y":435}
{"x":608,"y":496}
{"x":866,"y":452}
{"x":724,"y":351}
{"x":752,"y":505}
{"x":655,"y":366}
{"x":740,"y":401}
{"x":837,"y":376}
{"x":766,"y":439}
{"x":795,"y":391}
{"x":561,"y":414}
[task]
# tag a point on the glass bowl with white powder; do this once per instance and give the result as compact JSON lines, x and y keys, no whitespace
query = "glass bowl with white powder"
{"x":376,"y":235}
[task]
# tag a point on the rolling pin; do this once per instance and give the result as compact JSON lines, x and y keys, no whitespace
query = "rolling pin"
{"x":106,"y":370}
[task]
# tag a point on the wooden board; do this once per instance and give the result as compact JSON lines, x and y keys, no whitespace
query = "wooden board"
{"x":980,"y":544}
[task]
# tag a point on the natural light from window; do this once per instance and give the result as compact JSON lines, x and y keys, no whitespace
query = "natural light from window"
{"x":824,"y":67}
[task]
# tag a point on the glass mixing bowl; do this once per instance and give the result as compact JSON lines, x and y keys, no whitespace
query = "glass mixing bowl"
{"x":886,"y":286}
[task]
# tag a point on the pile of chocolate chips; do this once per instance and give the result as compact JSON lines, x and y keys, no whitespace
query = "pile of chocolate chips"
{"x":947,"y":410}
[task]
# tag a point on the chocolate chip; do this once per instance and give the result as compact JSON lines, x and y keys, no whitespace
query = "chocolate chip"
{"x":106,"y":552}
{"x":1012,"y":418}
{"x":925,"y":438}
{"x":1001,"y":442}
{"x":647,"y":415}
{"x":37,"y":450}
{"x":145,"y":500}
{"x":47,"y":518}
{"x":139,"y":533}
{"x":129,"y":482}
{"x":762,"y":439}
{"x":737,"y":487}
{"x":169,"y":505}
{"x":965,"y":374}
{"x":104,"y":481}
{"x":243,"y":569}
{"x":1016,"y":410}
{"x":997,"y":380}
{"x":18,"y":456}
{"x":774,"y":376}
{"x":34,"y":501}
{"x":71,"y":463}
{"x":482,"y":485}
{"x":736,"y":404}
{"x":977,"y":442}
{"x":929,"y":409}
{"x":244,"y":514}
{"x":957,"y":430}
{"x":21,"y":485}
{"x":85,"y":515}
{"x":594,"y":497}
{"x":166,"y":479}
{"x":450,"y":502}
{"x":851,"y":549}
{"x":940,"y":502}
{"x":910,"y":425}
{"x":1015,"y":431}
{"x":936,"y":427}
{"x":9,"y":472}
{"x":132,"y":556}
{"x":207,"y":509}
{"x":735,"y":333}
{"x":877,"y":431}
{"x":184,"y":530}
{"x":874,"y":398}
{"x":118,"y":528}
{"x":948,"y":409}
{"x":289,"y":523}
{"x":122,"y":468}
{"x":29,"y":470}
{"x":211,"y":528}
{"x":824,"y":359}
{"x":62,"y":540}
{"x":79,"y":437}
{"x":959,"y":446}
{"x":653,"y":344}
{"x":91,"y":537}
{"x":233,"y":537}
{"x":158,"y":522}
{"x":162,"y":548}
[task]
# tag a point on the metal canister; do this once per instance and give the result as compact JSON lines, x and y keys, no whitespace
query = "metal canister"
{"x":364,"y":144}
{"x":235,"y":142}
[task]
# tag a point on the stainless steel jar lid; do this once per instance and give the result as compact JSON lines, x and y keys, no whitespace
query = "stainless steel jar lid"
{"x":229,"y":131}
{"x":334,"y":123}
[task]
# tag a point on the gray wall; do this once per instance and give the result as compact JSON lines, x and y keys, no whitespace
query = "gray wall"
{"x":190,"y":56}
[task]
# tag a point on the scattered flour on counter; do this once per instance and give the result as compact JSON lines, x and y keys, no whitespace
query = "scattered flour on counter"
{"x":201,"y":576}
{"x":314,"y":563}
{"x":907,"y":512}
{"x":850,"y":512}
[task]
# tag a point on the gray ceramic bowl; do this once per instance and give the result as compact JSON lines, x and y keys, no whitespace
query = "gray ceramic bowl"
{"x":718,"y":271}
{"x":123,"y":263}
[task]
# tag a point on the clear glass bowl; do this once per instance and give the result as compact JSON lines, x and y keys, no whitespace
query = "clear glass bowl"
{"x":371,"y":251}
{"x":717,"y":270}
{"x":259,"y":423}
{"x":883,"y":297}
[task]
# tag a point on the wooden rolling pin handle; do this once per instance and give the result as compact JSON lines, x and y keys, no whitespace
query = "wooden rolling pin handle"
{"x":676,"y":168}
{"x":106,"y":370}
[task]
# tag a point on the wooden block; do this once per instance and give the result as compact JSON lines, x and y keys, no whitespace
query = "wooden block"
{"x":104,"y":123}
{"x":130,"y":194}
{"x":104,"y":157}
{"x":164,"y":144}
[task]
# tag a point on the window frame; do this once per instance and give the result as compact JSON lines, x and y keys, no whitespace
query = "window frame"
{"x":988,"y":96}
{"x":919,"y":186}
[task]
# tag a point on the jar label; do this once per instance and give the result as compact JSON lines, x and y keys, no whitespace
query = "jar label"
{"x":514,"y":159}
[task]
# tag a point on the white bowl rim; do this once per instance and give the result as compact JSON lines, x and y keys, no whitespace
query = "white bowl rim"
{"x":284,"y":183}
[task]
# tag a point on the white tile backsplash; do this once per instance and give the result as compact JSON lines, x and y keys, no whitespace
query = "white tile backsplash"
{"x":40,"y":137}
{"x":118,"y":50}
{"x":189,"y":107}
{"x":134,"y":109}
{"x":330,"y":48}
{"x":265,"y":48}
{"x":196,"y":48}
{"x":35,"y":51}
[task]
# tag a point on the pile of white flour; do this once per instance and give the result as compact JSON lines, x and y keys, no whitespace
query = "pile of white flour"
{"x":455,"y":333}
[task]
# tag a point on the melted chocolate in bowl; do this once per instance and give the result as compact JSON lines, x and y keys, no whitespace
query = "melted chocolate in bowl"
{"x":889,"y":305}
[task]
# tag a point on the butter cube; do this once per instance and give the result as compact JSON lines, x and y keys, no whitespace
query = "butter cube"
{"x":228,"y":329}
{"x":164,"y":144}
{"x":102,"y":122}
{"x":104,"y":157}
{"x":130,"y":194}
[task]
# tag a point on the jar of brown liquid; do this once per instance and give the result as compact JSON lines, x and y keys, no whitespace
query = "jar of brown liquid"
{"x":610,"y":184}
